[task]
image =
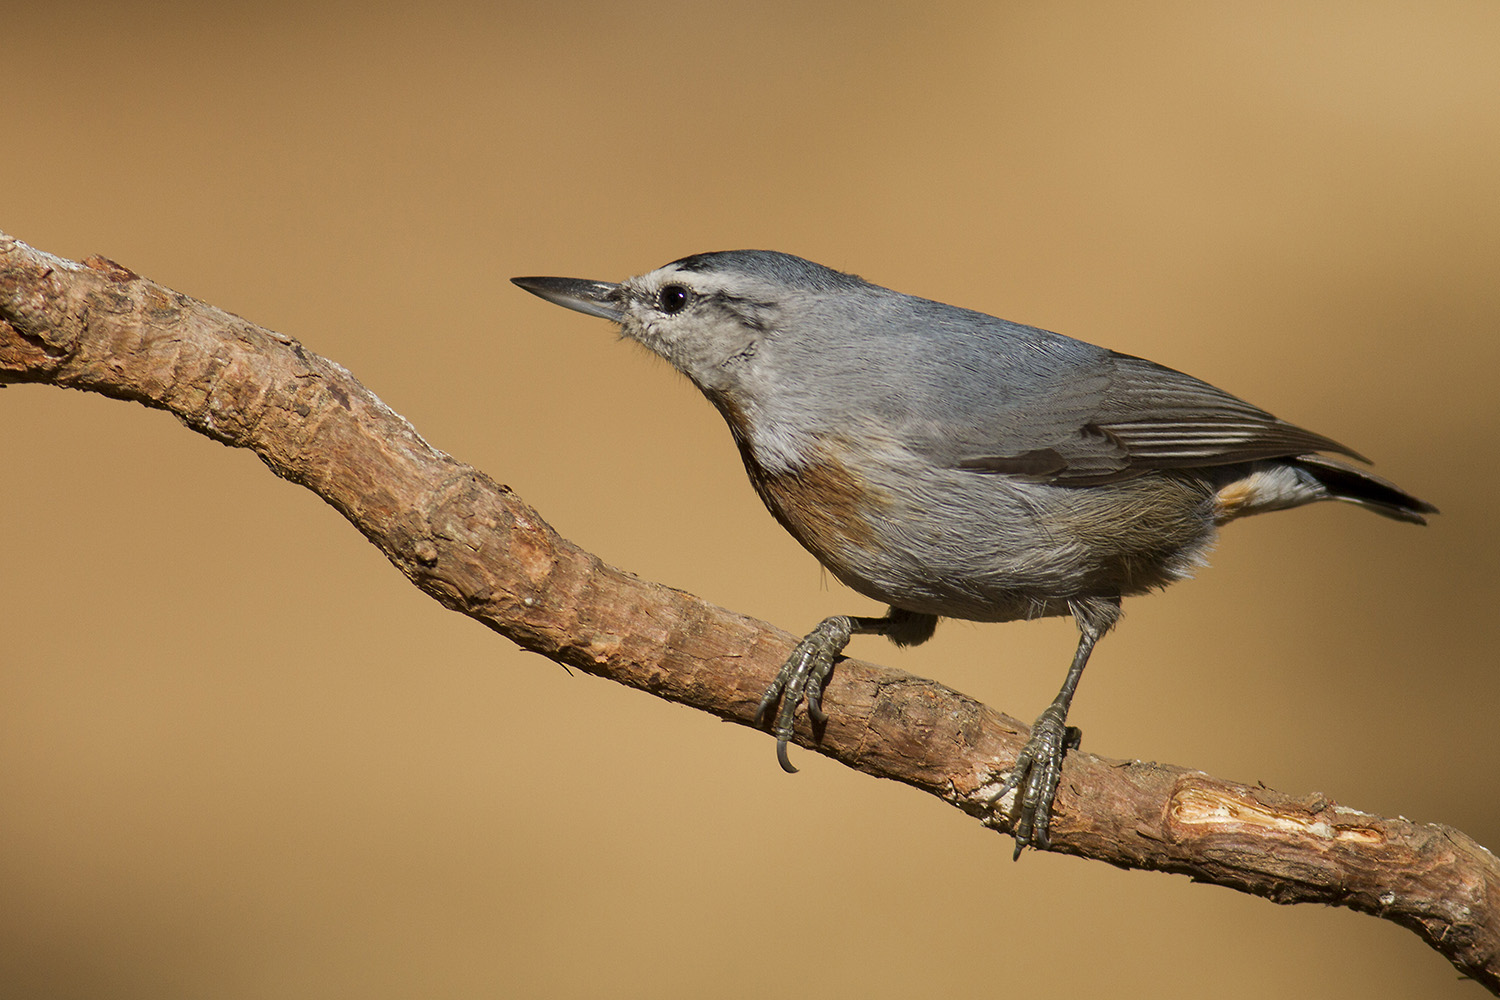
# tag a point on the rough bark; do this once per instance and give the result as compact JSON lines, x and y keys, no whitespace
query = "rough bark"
{"x":476,"y":547}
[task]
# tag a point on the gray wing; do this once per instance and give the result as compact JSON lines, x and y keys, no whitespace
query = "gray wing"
{"x":1117,"y":416}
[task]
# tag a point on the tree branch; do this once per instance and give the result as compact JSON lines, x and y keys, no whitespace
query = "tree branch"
{"x":479,"y":549}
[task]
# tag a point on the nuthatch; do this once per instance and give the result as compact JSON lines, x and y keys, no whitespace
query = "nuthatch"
{"x":951,"y":464}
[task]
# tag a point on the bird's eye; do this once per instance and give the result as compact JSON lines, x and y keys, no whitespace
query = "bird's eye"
{"x":673,"y":298}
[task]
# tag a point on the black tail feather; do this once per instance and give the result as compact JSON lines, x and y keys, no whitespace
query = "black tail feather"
{"x":1345,"y":482}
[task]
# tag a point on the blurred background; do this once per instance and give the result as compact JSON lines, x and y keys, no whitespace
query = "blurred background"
{"x":240,"y":756}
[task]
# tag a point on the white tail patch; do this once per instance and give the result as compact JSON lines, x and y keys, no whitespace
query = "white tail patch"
{"x":1267,"y":487}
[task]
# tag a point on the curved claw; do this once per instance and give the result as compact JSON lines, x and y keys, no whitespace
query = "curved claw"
{"x":801,"y":678}
{"x":1035,"y":777}
{"x":763,"y":710}
{"x":814,"y":698}
{"x":782,"y":758}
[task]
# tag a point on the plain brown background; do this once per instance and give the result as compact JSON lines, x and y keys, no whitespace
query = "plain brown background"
{"x":241,"y":757}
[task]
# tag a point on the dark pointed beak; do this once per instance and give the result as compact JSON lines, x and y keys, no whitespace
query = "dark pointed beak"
{"x":596,"y":298}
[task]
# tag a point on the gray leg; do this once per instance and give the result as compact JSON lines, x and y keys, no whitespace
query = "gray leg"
{"x":1038,"y":767}
{"x":804,"y":673}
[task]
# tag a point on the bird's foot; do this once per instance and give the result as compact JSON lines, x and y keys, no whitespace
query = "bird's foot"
{"x":802,"y":677}
{"x":1035,"y":776}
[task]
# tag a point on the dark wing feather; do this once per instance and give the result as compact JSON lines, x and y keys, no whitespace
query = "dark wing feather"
{"x":1149,"y":417}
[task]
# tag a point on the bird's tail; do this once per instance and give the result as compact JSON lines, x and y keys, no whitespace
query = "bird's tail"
{"x":1346,"y":482}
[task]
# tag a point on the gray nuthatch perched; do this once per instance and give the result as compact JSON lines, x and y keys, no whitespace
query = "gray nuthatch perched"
{"x":951,"y":464}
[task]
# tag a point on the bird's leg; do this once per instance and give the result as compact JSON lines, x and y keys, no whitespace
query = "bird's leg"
{"x":1038,"y":767}
{"x":804,"y":673}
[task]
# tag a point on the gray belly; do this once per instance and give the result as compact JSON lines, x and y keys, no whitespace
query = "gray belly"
{"x":963,"y":544}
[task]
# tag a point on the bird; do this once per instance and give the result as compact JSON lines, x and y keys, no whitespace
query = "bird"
{"x":951,"y":464}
